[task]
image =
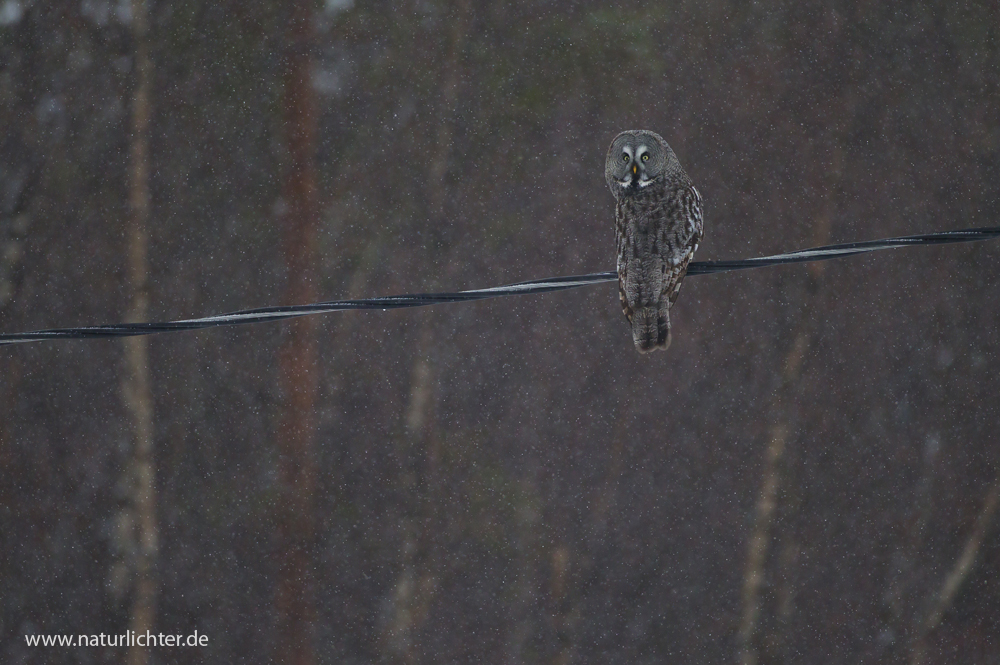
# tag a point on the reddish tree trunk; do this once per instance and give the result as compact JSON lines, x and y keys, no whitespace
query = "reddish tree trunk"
{"x":294,"y":603}
{"x":137,"y":384}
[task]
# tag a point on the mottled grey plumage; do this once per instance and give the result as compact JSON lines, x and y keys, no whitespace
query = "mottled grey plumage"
{"x":658,"y":225}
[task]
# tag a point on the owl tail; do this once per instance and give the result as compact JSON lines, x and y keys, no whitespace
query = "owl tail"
{"x":651,"y":328}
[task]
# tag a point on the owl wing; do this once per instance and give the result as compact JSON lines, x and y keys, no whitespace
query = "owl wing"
{"x":622,"y":242}
{"x":688,"y":238}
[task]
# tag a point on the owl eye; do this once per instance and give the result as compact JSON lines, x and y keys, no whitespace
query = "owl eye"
{"x":645,"y":157}
{"x":625,"y":157}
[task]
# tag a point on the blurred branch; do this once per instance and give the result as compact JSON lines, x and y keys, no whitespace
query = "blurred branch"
{"x":607,"y":495}
{"x":767,"y":501}
{"x":13,"y":239}
{"x":524,"y":587}
{"x":778,"y":435}
{"x":757,"y":550}
{"x":943,"y":599}
{"x":449,"y":94}
{"x":899,"y":596}
{"x":967,"y":560}
{"x":11,"y":371}
{"x":574,"y":576}
{"x":419,"y":579}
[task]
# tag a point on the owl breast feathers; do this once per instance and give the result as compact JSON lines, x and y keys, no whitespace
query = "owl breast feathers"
{"x":658,"y":224}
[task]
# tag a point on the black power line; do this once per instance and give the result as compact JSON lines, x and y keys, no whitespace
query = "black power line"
{"x":262,"y":314}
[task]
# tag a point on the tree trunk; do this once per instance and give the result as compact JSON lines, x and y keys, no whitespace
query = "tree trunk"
{"x":136,"y":385}
{"x":298,"y":380}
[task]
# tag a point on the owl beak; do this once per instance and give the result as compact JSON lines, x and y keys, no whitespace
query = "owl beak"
{"x":635,"y":175}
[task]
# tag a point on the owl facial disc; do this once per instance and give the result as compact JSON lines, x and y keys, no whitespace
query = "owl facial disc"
{"x":636,"y":160}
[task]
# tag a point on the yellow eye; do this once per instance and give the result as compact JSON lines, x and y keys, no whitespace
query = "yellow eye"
{"x":625,"y":157}
{"x":645,"y":157}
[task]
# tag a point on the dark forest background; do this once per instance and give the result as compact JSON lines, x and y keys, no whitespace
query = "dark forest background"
{"x":809,"y":474}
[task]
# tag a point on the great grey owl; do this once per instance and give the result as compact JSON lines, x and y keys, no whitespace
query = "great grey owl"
{"x":658,"y":225}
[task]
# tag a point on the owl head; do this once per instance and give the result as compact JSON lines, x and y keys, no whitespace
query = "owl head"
{"x":636,"y":159}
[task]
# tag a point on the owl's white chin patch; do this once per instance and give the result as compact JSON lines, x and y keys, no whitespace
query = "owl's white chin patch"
{"x":628,"y":183}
